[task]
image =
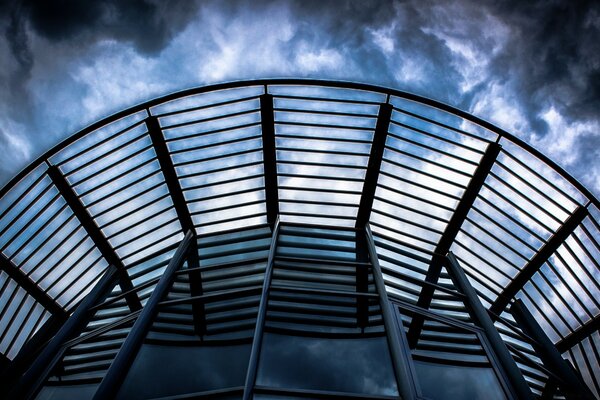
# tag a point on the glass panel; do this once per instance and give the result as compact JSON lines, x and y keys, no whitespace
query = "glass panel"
{"x":356,"y":365}
{"x":451,"y":362}
{"x":178,"y":368}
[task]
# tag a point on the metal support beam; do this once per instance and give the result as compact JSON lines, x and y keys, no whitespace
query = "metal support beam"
{"x":196,"y":290}
{"x":95,"y":234}
{"x":260,"y":318}
{"x":168,"y":170}
{"x":480,"y":315}
{"x":183,"y":214}
{"x":16,"y":274}
{"x":578,"y":335}
{"x":52,"y":352}
{"x":115,"y":375}
{"x":538,"y":260}
{"x":267,"y":119}
{"x":571,"y":385}
{"x":449,"y":235}
{"x":374,"y":165}
{"x":400,"y":359}
{"x":362,"y":279}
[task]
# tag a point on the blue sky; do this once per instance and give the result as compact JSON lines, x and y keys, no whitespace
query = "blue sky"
{"x":532,"y":68}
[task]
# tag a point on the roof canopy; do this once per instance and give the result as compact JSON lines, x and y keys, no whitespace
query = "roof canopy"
{"x":426,"y":177}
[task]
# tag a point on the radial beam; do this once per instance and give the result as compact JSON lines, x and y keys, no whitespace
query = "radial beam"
{"x":95,"y":234}
{"x":449,"y":235}
{"x":374,"y":165}
{"x":536,"y":262}
{"x":183,"y":214}
{"x":267,"y":119}
{"x":570,"y":383}
{"x":168,"y":169}
{"x":31,"y":288}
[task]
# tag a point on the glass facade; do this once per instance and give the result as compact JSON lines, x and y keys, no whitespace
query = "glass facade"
{"x":297,"y":240}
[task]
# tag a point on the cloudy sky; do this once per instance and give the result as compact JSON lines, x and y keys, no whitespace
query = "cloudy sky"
{"x":531,"y":67}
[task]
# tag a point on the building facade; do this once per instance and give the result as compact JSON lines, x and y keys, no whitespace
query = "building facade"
{"x":289,"y":239}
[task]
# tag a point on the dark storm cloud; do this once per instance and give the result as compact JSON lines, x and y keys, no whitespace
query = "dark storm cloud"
{"x":149,"y":25}
{"x":528,"y":57}
{"x":553,"y":57}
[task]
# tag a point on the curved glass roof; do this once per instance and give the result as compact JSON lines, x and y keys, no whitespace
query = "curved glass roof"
{"x":427,"y":178}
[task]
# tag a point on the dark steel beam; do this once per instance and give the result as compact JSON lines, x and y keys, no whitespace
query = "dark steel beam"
{"x":183,"y":213}
{"x":267,"y":119}
{"x":195,"y":276}
{"x":374,"y":165}
{"x":260,"y":318}
{"x":449,"y":235}
{"x":31,"y":288}
{"x":95,"y":234}
{"x":480,"y":315}
{"x":168,"y":170}
{"x":400,"y":358}
{"x":571,"y":385}
{"x":536,"y":262}
{"x":115,"y":375}
{"x":579,"y":334}
{"x":362,"y":279}
{"x":41,"y":367}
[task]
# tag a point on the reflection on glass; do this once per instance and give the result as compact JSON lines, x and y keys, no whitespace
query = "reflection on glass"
{"x":358,"y":365}
{"x":439,"y":381}
{"x":167,"y":370}
{"x":451,"y":361}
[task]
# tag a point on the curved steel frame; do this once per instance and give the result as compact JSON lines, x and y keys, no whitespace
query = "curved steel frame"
{"x":489,"y":192}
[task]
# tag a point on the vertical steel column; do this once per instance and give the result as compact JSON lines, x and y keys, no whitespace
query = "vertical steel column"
{"x":520,"y":388}
{"x":115,"y":375}
{"x":260,"y":318}
{"x":571,"y":385}
{"x":40,"y":368}
{"x":400,"y":358}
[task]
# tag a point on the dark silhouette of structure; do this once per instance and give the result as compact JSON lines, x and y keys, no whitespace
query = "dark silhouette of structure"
{"x":288,"y":239}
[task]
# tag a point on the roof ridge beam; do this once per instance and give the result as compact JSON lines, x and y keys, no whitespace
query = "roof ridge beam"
{"x":267,"y":121}
{"x":443,"y":247}
{"x":168,"y":170}
{"x":539,"y":258}
{"x":24,"y":281}
{"x":374,"y":165}
{"x":94,"y":232}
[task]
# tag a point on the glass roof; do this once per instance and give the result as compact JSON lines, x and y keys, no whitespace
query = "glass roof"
{"x":426,"y":177}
